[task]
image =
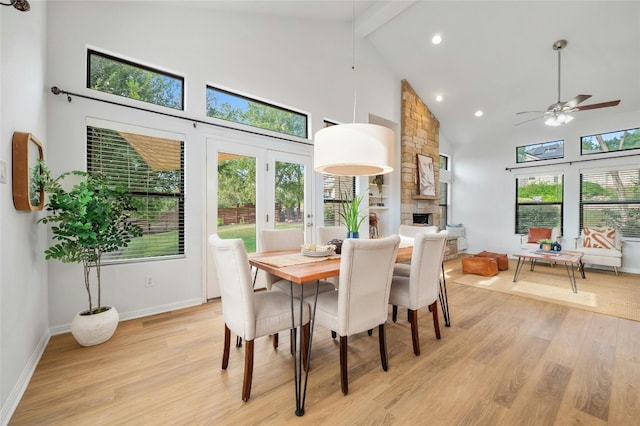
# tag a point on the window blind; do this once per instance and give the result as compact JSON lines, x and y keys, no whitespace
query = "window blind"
{"x":611,"y":199}
{"x":153,"y":170}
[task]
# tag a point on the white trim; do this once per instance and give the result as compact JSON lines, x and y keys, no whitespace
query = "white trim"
{"x":10,"y":405}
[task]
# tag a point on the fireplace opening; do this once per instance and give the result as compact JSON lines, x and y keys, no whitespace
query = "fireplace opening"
{"x":422,"y":218}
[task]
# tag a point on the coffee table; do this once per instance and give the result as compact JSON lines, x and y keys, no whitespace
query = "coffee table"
{"x":569,"y":258}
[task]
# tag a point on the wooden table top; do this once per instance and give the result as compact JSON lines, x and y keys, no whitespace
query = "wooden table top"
{"x":309,"y":271}
{"x":563,"y":256}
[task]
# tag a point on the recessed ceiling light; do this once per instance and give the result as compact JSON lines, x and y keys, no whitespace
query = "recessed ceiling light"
{"x":479,"y":113}
{"x":437,"y":39}
{"x":439,"y":98}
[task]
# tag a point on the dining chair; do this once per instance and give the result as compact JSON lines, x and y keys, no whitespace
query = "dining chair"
{"x":324,"y":234}
{"x":361,"y":302}
{"x":421,"y":287}
{"x":288,"y":239}
{"x":250,"y":315}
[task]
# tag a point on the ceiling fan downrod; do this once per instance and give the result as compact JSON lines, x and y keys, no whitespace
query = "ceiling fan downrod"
{"x":559,"y":45}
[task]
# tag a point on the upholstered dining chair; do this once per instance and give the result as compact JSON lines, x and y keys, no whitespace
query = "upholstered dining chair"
{"x":361,"y":302}
{"x":407,"y":234}
{"x":288,"y":239}
{"x":250,"y":315}
{"x":324,"y":234}
{"x":421,"y":287}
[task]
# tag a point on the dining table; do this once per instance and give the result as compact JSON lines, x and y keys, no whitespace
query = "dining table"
{"x":297,"y":268}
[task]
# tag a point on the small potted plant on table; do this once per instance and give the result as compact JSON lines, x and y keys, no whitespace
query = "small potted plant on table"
{"x":546,"y":243}
{"x":350,"y":213}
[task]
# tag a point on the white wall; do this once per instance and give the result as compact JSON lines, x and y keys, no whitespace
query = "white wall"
{"x":24,"y":328}
{"x":484,"y":192}
{"x":304,"y":65}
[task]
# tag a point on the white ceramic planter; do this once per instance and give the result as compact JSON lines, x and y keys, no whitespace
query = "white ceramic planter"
{"x":91,"y":330}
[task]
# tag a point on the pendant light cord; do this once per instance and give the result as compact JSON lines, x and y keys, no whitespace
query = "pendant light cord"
{"x":353,"y":56}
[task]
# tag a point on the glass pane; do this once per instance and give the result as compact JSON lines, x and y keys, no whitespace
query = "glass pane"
{"x":608,"y":142}
{"x":123,"y":78}
{"x":239,"y":109}
{"x":540,"y":151}
{"x":237,"y":198}
{"x":289,"y":195}
{"x":336,"y":189}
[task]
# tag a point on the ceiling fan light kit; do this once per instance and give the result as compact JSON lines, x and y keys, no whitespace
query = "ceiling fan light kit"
{"x":559,"y":113}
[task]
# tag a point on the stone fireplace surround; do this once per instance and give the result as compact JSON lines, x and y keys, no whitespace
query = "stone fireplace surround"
{"x":419,"y":135}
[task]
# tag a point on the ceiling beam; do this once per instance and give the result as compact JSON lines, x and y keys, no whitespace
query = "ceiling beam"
{"x":379,"y":14}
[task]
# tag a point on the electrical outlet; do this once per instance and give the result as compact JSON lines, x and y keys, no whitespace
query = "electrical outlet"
{"x":3,"y":171}
{"x":148,"y":282}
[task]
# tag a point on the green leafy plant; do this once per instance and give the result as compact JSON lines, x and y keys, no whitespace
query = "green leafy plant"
{"x":379,"y":181}
{"x":350,"y":212}
{"x":546,"y":241}
{"x":89,"y":219}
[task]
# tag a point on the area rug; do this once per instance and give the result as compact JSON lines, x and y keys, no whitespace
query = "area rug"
{"x":602,"y":292}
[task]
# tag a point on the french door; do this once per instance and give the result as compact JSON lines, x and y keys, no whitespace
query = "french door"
{"x":250,"y":188}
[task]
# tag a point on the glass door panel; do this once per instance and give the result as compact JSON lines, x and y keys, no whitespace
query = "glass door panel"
{"x":289,"y":195}
{"x":237,"y":198}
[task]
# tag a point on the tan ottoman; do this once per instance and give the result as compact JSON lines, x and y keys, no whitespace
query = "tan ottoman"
{"x":502,"y":259}
{"x":485,"y":266}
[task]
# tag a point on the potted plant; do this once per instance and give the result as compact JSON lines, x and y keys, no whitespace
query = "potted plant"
{"x":379,"y":181}
{"x":350,"y":213}
{"x":89,"y":219}
{"x":545,"y":244}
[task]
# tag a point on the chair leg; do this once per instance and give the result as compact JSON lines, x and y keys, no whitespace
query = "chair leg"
{"x":383,"y":347}
{"x":344,"y":380}
{"x":415,"y":339}
{"x":370,"y":331}
{"x":305,"y":345}
{"x":248,"y":370}
{"x":616,"y":270}
{"x":333,"y":334}
{"x":436,"y":325}
{"x":225,"y":351}
{"x":394,"y":313}
{"x":275,"y":341}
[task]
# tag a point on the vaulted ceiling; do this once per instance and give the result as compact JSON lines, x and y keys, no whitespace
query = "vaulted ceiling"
{"x":495,"y":56}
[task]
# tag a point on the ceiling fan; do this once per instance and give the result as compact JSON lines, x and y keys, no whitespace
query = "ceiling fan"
{"x":559,"y":112}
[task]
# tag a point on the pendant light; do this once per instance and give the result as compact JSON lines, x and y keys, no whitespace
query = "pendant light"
{"x":356,"y":149}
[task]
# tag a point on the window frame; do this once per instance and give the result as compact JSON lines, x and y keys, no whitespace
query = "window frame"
{"x":179,"y":196}
{"x":540,"y":144}
{"x":248,"y":99}
{"x":582,"y":153}
{"x":518,"y":227}
{"x":143,"y":67}
{"x":627,"y":202}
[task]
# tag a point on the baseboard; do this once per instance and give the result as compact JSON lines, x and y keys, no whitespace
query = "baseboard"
{"x":160,"y":309}
{"x":9,"y":407}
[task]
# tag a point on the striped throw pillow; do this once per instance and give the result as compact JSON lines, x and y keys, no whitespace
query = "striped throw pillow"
{"x":599,"y":237}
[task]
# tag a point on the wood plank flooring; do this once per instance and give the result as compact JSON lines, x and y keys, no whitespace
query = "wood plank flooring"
{"x":505,"y":360}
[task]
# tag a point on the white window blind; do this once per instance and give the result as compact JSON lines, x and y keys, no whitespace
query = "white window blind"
{"x":153,"y":169}
{"x":611,"y":199}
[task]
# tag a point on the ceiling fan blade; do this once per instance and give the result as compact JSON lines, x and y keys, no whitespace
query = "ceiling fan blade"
{"x":600,"y":105}
{"x":526,"y":121}
{"x":527,"y":112}
{"x":575,"y":101}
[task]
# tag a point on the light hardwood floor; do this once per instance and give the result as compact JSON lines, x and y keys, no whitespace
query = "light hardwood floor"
{"x":505,"y":360}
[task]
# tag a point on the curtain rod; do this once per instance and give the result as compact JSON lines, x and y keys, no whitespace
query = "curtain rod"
{"x":57,"y":91}
{"x":570,"y":162}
